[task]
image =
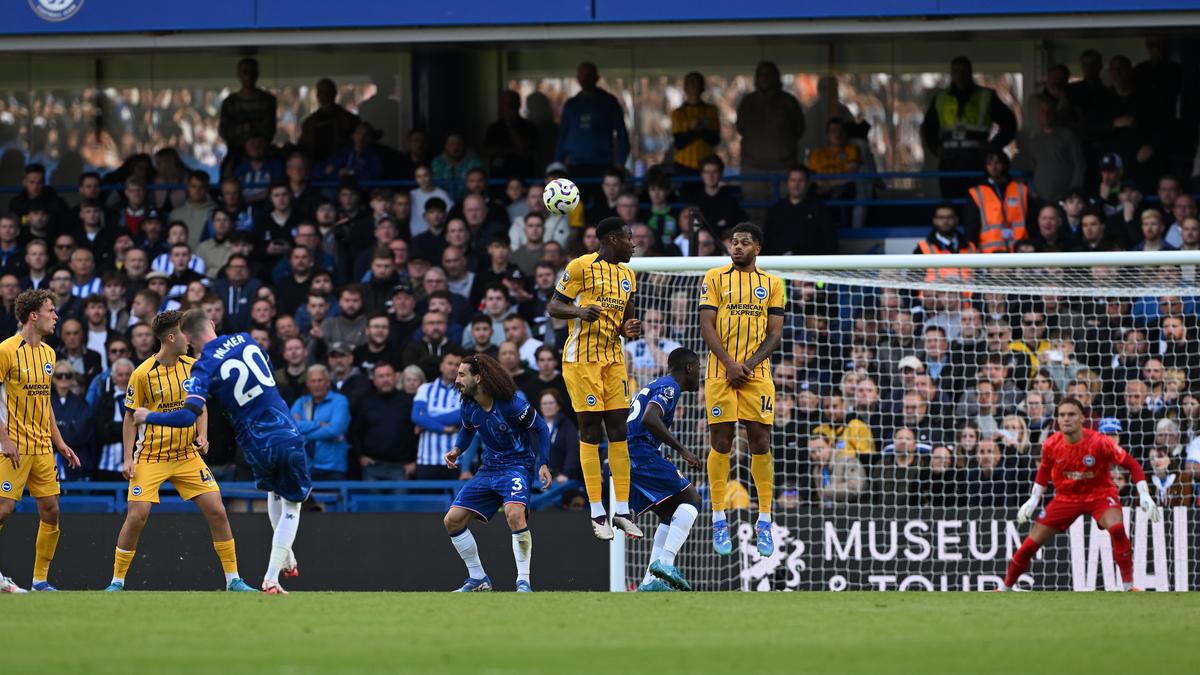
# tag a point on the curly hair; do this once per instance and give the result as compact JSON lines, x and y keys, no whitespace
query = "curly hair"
{"x":493,"y":379}
{"x":31,"y":301}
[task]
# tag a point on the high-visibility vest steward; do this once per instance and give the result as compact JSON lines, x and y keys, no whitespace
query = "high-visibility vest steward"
{"x":968,"y":126}
{"x":1000,"y":222}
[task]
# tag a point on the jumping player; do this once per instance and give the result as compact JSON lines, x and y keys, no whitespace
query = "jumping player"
{"x":594,"y":295}
{"x":1078,"y":461}
{"x":155,"y":455}
{"x":656,"y":485}
{"x":741,"y":321}
{"x":239,"y":374}
{"x":29,"y":435}
{"x":515,"y":439}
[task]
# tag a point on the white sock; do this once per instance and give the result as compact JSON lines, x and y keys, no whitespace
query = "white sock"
{"x":718,"y":516}
{"x":598,"y":509}
{"x":623,"y":508}
{"x":274,"y":508}
{"x":286,"y":525}
{"x":115,"y":580}
{"x":660,"y":539}
{"x":1126,"y":585}
{"x":763,"y":516}
{"x":464,"y":543}
{"x":42,"y":581}
{"x":522,"y":543}
{"x":230,"y":576}
{"x":681,"y":524}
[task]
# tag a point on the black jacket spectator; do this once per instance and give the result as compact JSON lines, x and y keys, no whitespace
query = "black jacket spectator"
{"x":799,"y":228}
{"x":238,"y":301}
{"x":564,"y":449}
{"x":382,"y":428}
{"x":75,"y":424}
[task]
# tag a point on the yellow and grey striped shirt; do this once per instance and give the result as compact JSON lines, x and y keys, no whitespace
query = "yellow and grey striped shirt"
{"x":25,"y":376}
{"x":159,"y":388}
{"x":588,"y":280}
{"x":742,"y":301}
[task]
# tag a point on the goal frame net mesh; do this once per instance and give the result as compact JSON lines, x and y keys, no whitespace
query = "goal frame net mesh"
{"x":922,"y":350}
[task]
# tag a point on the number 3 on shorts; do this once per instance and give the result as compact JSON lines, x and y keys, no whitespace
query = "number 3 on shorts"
{"x":518,"y":485}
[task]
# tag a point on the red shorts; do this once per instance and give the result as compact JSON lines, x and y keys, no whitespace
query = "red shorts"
{"x":1059,"y":513}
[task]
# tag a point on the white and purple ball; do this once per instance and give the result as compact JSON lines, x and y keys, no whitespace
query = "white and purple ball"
{"x":561,"y":196}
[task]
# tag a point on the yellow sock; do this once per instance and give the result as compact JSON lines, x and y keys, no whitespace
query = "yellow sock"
{"x":47,"y":542}
{"x":618,"y":462}
{"x":762,"y":469}
{"x":121,"y":562}
{"x":228,"y":555}
{"x":718,"y":478}
{"x":589,"y":461}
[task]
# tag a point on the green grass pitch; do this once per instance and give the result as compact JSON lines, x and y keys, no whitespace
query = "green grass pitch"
{"x":730,"y":633}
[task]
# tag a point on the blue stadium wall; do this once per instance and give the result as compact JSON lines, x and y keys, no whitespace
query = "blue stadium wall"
{"x":32,"y":17}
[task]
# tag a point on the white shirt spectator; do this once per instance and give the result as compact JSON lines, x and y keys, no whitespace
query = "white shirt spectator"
{"x":163,"y":264}
{"x":440,"y":399}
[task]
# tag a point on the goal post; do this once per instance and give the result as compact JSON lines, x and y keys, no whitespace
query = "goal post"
{"x":912,"y":395}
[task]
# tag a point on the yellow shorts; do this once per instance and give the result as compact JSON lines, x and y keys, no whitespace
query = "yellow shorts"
{"x":754,"y":402}
{"x":595,"y":387}
{"x":38,"y":472}
{"x":190,"y":477}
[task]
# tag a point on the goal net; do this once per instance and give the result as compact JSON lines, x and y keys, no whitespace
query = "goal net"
{"x":911,"y":403}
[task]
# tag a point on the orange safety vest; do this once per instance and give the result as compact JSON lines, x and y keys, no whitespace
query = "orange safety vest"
{"x":1001,"y":222}
{"x":945,"y":273}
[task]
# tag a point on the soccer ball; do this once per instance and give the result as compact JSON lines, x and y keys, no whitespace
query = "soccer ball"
{"x":560,"y":196}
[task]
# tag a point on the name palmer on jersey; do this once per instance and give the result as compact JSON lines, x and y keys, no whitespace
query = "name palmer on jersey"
{"x":228,"y":345}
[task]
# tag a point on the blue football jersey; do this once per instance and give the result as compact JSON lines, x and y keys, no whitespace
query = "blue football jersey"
{"x":236,"y":371}
{"x":664,"y":393}
{"x":503,"y":432}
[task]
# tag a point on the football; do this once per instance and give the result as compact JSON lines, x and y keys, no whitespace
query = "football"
{"x":561,"y":196}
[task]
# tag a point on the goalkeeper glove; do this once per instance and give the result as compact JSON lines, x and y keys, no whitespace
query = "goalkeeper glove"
{"x":1030,"y":507}
{"x":1147,"y":502}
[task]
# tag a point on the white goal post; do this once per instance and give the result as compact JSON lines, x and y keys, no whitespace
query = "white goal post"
{"x":912,"y":394}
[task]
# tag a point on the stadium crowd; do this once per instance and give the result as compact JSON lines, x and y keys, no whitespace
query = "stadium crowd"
{"x":366,"y":298}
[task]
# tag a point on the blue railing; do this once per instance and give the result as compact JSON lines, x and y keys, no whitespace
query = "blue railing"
{"x":346,"y":496}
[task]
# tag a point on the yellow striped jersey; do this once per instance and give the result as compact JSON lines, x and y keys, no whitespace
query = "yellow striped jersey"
{"x":588,"y":280}
{"x":742,"y":301}
{"x":681,"y":122}
{"x":25,"y":376}
{"x":159,"y":388}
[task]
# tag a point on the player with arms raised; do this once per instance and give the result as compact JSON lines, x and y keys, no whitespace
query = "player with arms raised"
{"x":239,"y":374}
{"x":1078,"y":462}
{"x":656,"y":484}
{"x":594,"y":295}
{"x":28,"y":432}
{"x":741,"y":321}
{"x":515,"y":439}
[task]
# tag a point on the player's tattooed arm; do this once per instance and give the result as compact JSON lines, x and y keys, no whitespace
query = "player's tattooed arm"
{"x":770,"y":343}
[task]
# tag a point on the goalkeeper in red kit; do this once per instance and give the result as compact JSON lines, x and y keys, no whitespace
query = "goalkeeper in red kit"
{"x":1078,"y":461}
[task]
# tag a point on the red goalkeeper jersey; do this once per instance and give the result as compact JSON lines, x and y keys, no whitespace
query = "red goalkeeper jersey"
{"x":1080,"y":472}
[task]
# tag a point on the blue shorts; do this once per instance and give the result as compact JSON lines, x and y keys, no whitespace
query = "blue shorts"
{"x":484,"y":494}
{"x":653,"y":480}
{"x":282,"y":469}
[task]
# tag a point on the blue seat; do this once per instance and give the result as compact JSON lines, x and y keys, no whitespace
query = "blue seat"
{"x":395,"y":503}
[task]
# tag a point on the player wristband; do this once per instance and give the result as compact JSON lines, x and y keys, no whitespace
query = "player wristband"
{"x":1036,"y":492}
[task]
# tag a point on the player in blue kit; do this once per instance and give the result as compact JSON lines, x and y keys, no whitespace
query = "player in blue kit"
{"x":515,"y":439}
{"x":235,"y":370}
{"x":656,"y":485}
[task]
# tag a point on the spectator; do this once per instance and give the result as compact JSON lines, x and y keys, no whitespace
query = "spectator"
{"x":108,"y":415}
{"x":944,"y":238}
{"x":988,"y":482}
{"x":511,"y":140}
{"x":97,"y":333}
{"x":381,"y":279}
{"x":236,"y":290}
{"x":257,"y":171}
{"x":527,"y":256}
{"x":431,"y":242}
{"x":1052,"y":234}
{"x":379,"y":347}
{"x":74,"y":352}
{"x":564,"y":436}
{"x":957,"y":128}
{"x":591,"y":121}
{"x":1134,"y":128}
{"x":37,"y":262}
{"x":509,"y":356}
{"x":403,"y":316}
{"x":996,"y":213}
{"x":1093,"y":233}
{"x":1153,"y":230}
{"x":944,"y":481}
{"x":36,"y":195}
{"x":1054,"y":153}
{"x":771,"y":124}
{"x":717,"y":202}
{"x":647,"y":355}
{"x":347,"y":380}
{"x":215,"y":251}
{"x":1183,"y":207}
{"x":1169,"y":489}
{"x":360,"y":158}
{"x":848,"y":437}
{"x":604,"y":202}
{"x":290,"y":377}
{"x":383,"y":431}
{"x":323,"y":418}
{"x":660,"y":217}
{"x":799,"y":224}
{"x":482,"y":333}
{"x":246,"y":112}
{"x":74,"y":421}
{"x":350,"y":324}
{"x":901,"y":476}
{"x":421,"y":195}
{"x":328,"y":127}
{"x":436,"y":417}
{"x":429,"y":351}
{"x":835,"y":478}
{"x":451,"y":167}
{"x":695,"y":128}
{"x":516,"y":331}
{"x":839,"y":157}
